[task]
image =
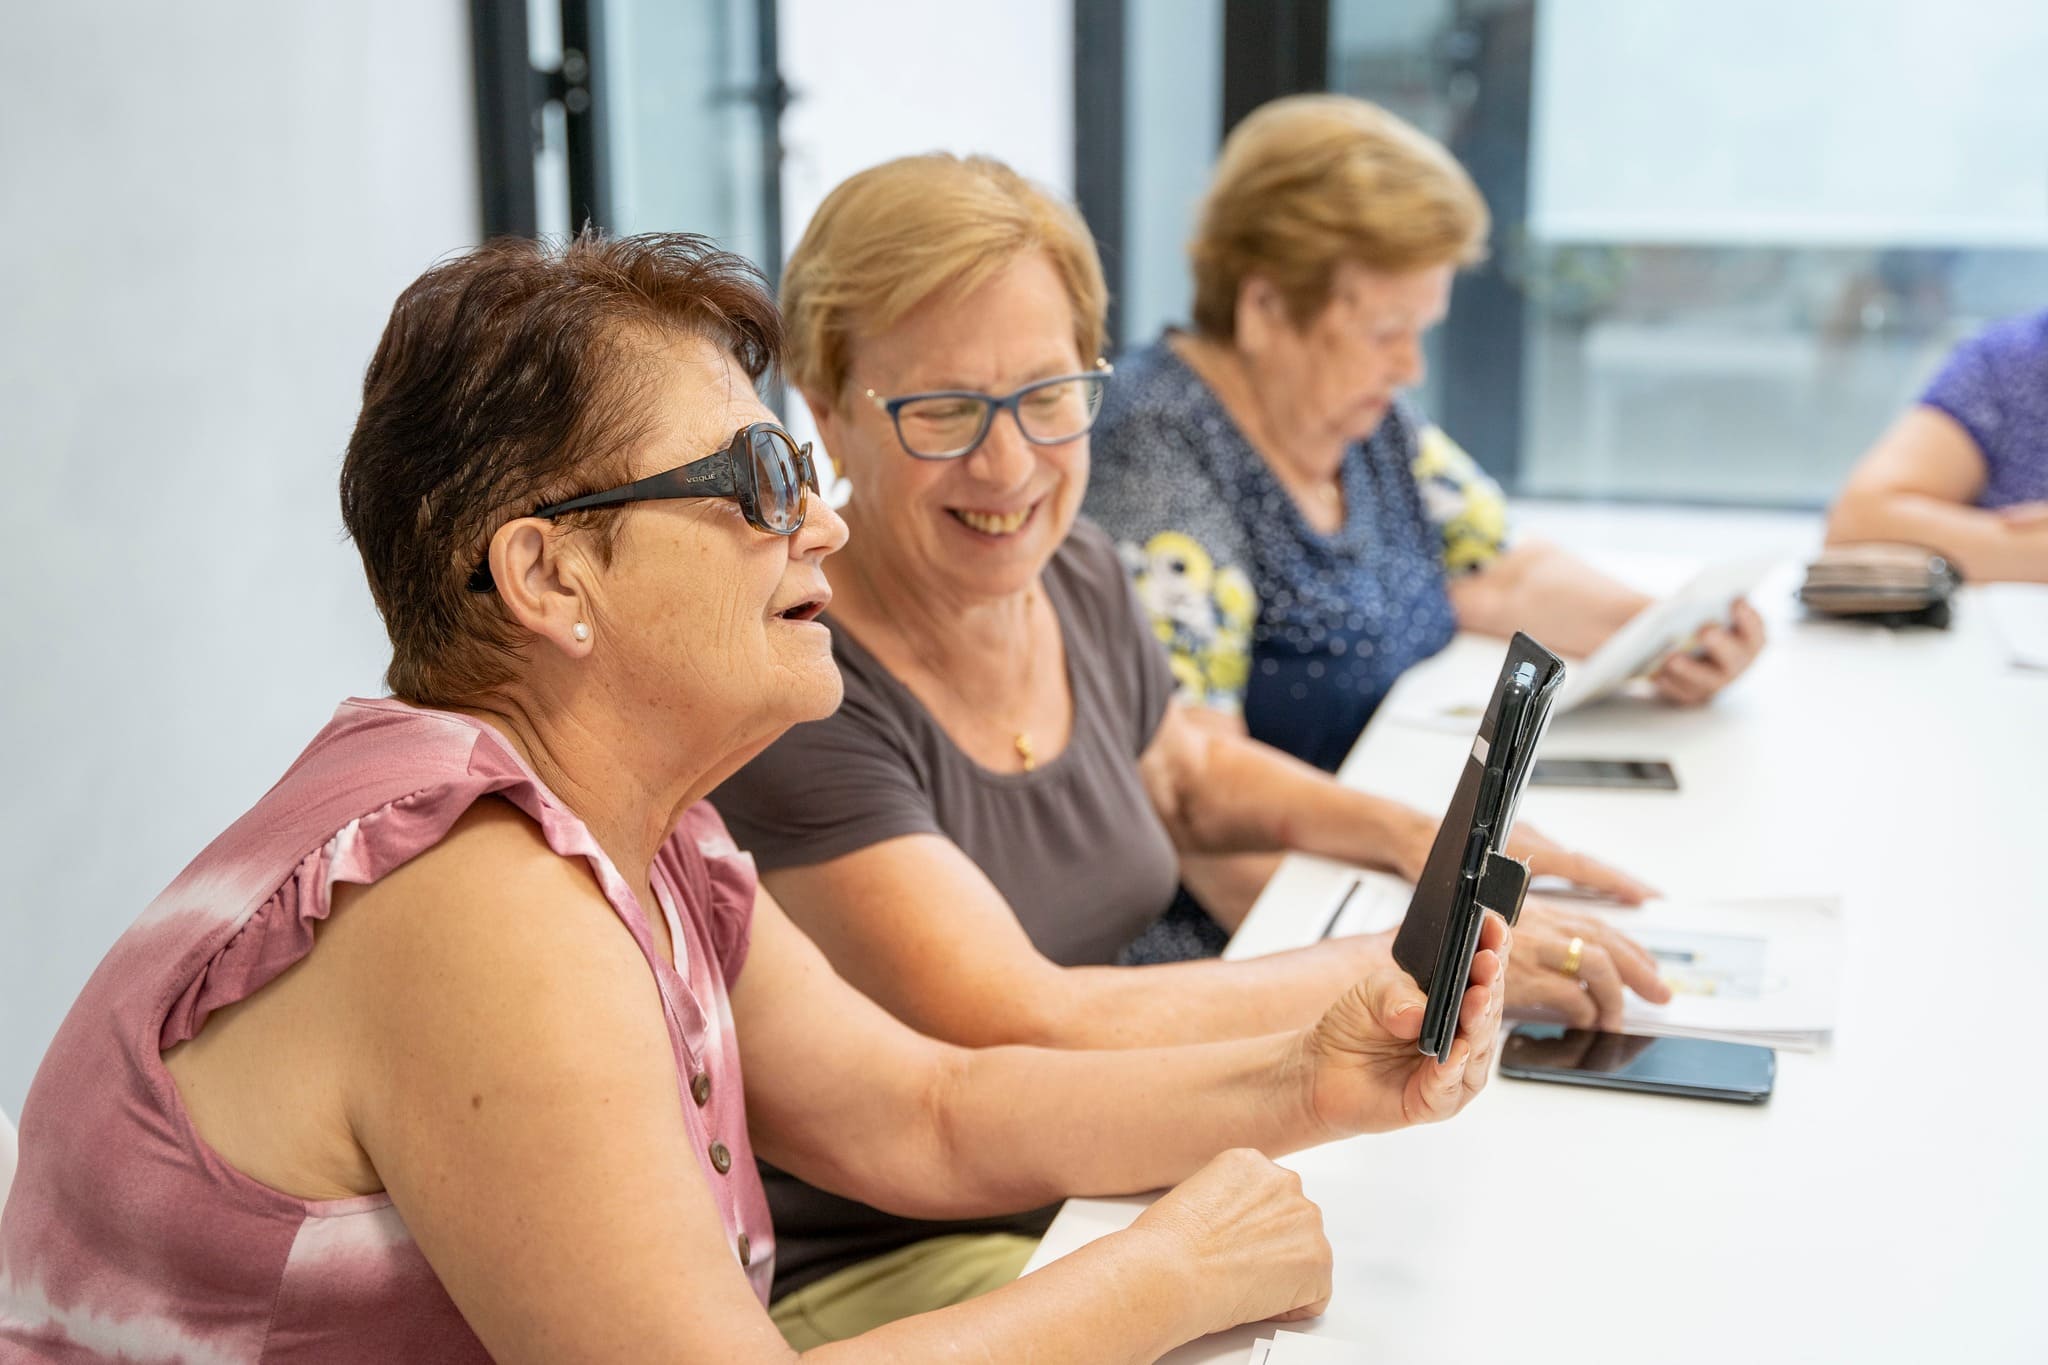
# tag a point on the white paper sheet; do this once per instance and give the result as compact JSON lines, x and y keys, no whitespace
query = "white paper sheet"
{"x":1372,"y":903}
{"x":1298,"y":1348}
{"x":2019,"y":611}
{"x":1749,"y":969}
{"x":1760,"y":971}
{"x":1454,"y":699}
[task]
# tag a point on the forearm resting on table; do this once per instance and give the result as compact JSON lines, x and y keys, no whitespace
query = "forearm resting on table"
{"x":1247,"y":797}
{"x":1562,"y":601}
{"x":1983,"y":544}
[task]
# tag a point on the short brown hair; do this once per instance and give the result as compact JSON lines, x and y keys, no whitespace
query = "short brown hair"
{"x":507,"y":378}
{"x":1309,"y":182}
{"x":894,"y":235}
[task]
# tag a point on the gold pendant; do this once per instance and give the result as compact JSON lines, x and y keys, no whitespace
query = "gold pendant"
{"x":1023,"y":743}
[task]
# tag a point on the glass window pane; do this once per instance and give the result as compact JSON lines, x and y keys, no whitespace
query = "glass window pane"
{"x":1739,"y":259}
{"x":1173,"y":116}
{"x":685,"y":136}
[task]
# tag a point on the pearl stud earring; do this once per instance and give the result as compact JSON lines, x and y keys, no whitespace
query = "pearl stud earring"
{"x":580,"y":631}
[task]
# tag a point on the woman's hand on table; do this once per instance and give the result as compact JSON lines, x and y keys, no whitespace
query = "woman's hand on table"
{"x":1605,"y":966}
{"x":1245,"y":1239}
{"x":1718,"y":657}
{"x":1365,"y":1073}
{"x":1548,"y":858}
{"x":2025,"y":516}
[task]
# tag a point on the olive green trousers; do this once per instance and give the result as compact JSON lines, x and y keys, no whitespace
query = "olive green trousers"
{"x":911,"y":1280}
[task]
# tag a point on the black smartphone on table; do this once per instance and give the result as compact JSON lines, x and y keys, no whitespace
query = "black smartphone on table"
{"x":1645,"y":774}
{"x":1698,"y":1068}
{"x":1467,"y":872}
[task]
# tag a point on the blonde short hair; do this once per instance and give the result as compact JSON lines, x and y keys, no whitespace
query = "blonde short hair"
{"x":1309,"y":182}
{"x":896,"y":234}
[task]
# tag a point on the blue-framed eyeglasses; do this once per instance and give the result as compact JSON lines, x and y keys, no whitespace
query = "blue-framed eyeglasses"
{"x":947,"y":424}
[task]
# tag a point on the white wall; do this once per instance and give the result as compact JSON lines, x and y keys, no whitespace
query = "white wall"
{"x":875,"y":82}
{"x":206,"y":210}
{"x":991,"y":76}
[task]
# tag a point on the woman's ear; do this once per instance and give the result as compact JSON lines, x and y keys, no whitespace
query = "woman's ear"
{"x":1261,"y":313}
{"x":543,"y":578}
{"x":825,"y":415}
{"x":834,"y":436}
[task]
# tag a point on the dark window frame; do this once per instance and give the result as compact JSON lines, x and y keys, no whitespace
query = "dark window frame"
{"x":511,"y":96}
{"x":1101,"y":83}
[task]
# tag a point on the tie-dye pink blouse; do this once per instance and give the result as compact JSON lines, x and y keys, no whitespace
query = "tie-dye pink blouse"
{"x":126,"y":1237}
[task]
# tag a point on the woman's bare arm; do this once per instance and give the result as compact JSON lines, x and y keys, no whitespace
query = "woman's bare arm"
{"x":499,"y":1053}
{"x":1540,"y":588}
{"x":913,"y":924}
{"x":1917,"y":485}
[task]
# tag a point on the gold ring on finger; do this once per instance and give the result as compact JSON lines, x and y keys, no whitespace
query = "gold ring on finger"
{"x":1573,"y":953}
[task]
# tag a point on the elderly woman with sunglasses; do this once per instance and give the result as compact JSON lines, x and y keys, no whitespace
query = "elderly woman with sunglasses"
{"x":460,"y":1043}
{"x":1010,"y":794}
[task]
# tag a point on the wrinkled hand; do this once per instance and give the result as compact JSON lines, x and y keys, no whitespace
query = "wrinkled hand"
{"x":1548,"y":858}
{"x":1255,"y":1241}
{"x":1717,"y":658}
{"x":1610,"y":965}
{"x":1366,"y":1074}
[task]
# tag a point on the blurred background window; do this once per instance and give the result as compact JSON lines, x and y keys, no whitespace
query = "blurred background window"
{"x":1732,"y":240}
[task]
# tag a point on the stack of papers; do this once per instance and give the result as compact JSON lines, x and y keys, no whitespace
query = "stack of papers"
{"x":1746,"y":971}
{"x":2019,"y":612}
{"x":1297,"y":1348}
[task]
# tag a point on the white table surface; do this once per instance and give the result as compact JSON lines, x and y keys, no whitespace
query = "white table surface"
{"x":1890,"y":1203}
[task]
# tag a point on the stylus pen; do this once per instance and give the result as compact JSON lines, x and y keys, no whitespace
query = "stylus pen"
{"x":1338,"y":913}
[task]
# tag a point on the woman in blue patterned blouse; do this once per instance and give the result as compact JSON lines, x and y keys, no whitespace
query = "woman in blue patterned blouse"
{"x":1965,"y":471}
{"x":1300,"y":533}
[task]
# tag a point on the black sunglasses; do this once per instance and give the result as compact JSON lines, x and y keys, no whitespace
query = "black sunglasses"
{"x":763,"y":469}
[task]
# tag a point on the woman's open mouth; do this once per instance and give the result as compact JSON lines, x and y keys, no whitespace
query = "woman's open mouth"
{"x":808,"y":610}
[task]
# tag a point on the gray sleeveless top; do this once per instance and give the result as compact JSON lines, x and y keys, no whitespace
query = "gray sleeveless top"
{"x":1074,"y":846}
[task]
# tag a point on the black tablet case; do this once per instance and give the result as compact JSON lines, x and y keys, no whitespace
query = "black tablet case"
{"x":1440,"y":932}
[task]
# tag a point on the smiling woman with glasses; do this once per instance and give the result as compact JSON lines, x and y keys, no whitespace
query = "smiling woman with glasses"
{"x":1009,"y":794}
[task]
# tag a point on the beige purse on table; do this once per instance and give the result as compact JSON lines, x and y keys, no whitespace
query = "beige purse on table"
{"x":1882,"y":582}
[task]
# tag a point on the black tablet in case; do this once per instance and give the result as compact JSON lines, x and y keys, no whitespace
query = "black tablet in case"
{"x":1468,"y":873}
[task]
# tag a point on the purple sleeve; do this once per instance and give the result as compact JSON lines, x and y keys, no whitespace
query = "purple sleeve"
{"x":1968,"y":390}
{"x":1996,"y":385}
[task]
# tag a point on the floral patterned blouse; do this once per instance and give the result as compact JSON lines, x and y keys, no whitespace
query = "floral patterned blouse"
{"x":1302,"y":633}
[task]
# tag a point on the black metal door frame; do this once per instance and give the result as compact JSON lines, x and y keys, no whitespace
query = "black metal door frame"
{"x":1100,"y":83}
{"x":511,"y":96}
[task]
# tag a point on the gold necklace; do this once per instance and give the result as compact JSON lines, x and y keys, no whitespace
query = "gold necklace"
{"x":1020,"y":736}
{"x":1021,"y":740}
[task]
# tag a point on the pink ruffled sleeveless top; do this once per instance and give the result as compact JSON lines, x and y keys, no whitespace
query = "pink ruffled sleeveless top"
{"x":126,"y":1237}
